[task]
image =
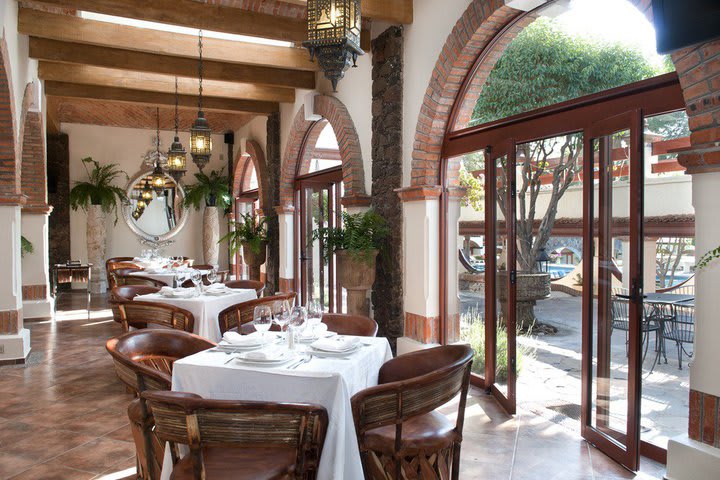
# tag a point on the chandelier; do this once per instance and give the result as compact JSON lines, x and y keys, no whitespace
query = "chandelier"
{"x":200,"y":139}
{"x":176,"y":156}
{"x":334,"y":36}
{"x":157,"y":180}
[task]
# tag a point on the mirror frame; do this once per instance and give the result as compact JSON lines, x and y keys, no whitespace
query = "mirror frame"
{"x":134,"y":228}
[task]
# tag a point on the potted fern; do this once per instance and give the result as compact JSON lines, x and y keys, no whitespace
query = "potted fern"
{"x":212,"y":192}
{"x":98,"y":196}
{"x":356,"y":245}
{"x":250,"y":233}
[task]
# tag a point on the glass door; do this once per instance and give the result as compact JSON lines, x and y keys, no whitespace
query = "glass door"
{"x":501,"y":270}
{"x":319,"y":199}
{"x":613,"y":287}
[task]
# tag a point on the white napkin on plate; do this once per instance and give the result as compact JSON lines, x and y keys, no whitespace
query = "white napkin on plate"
{"x":339,"y":343}
{"x":234,"y":338}
{"x":270,"y":353}
{"x":177,"y":292}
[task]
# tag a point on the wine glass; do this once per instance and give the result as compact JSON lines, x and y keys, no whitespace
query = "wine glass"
{"x":262,"y":319}
{"x":212,"y":275}
{"x":314,"y":315}
{"x":196,"y":278}
{"x":281,"y":313}
{"x":297,"y":319}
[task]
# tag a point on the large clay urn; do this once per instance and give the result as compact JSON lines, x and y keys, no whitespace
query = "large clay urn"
{"x":211,"y":235}
{"x":254,"y":260}
{"x":96,"y":235}
{"x":531,"y":287}
{"x":357,"y":277}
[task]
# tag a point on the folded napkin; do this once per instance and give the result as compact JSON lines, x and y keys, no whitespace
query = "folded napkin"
{"x":270,"y":353}
{"x":177,"y":292}
{"x":234,"y":338}
{"x":339,"y":343}
{"x":215,"y":287}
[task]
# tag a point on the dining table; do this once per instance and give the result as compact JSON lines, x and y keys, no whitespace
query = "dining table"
{"x":165,"y":275}
{"x":326,"y":381}
{"x":205,"y":307}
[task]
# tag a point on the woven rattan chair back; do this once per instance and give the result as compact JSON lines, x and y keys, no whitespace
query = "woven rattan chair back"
{"x":138,"y":314}
{"x":190,"y":419}
{"x":123,"y":280}
{"x":344,"y":324}
{"x":118,"y":263}
{"x":256,"y":285}
{"x":125,"y":293}
{"x":241,"y":313}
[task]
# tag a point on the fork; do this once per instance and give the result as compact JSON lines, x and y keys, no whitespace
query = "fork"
{"x":305,"y":359}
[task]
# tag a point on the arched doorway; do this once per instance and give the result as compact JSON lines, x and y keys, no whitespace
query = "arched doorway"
{"x":447,"y":140}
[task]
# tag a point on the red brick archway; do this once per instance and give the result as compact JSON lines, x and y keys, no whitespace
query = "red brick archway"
{"x":255,"y":156}
{"x":33,"y":182}
{"x":477,"y":33}
{"x":9,"y":159}
{"x":332,"y":110}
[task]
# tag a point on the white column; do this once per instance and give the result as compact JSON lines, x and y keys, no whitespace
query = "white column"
{"x":287,"y":246}
{"x":452,"y":290}
{"x":36,"y":266}
{"x":625,"y":262}
{"x":649,"y":264}
{"x":14,"y":339}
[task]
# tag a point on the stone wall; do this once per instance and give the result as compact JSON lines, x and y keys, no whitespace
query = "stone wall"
{"x":387,"y":171}
{"x":58,"y":176}
{"x":272,"y":198}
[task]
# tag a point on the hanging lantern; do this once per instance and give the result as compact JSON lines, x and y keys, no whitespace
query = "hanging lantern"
{"x":176,"y":156}
{"x":200,"y":133}
{"x":157,"y":180}
{"x":136,"y":214}
{"x":334,"y":36}
{"x":146,"y":193}
{"x":141,"y":204}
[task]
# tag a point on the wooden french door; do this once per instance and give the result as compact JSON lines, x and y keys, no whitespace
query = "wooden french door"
{"x":501,"y":274}
{"x":318,"y":196}
{"x":611,"y":372}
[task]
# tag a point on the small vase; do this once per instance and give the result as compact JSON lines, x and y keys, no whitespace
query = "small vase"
{"x":357,"y":277}
{"x":254,"y":260}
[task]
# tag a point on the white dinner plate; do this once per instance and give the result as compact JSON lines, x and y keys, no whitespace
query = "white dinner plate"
{"x":326,"y":353}
{"x":325,"y":334}
{"x":286,"y":357}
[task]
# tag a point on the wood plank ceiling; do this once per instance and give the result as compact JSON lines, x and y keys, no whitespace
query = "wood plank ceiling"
{"x":91,"y":66}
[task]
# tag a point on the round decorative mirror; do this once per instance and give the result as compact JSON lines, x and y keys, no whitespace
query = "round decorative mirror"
{"x":155,"y":211}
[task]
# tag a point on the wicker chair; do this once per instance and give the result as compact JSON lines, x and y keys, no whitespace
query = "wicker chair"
{"x":140,"y":314}
{"x":400,"y":434}
{"x":127,"y":293}
{"x":240,"y":440}
{"x":123,"y":280}
{"x":241,"y":313}
{"x":350,"y":324}
{"x":143,"y":361}
{"x":118,"y":263}
{"x":248,"y":284}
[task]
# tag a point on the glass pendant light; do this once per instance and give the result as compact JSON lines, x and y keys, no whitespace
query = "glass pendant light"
{"x":200,"y":133}
{"x":176,"y":156}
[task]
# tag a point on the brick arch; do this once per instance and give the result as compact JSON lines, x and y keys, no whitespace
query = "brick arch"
{"x":241,"y":175}
{"x":309,"y":150}
{"x":33,"y":181}
{"x":335,"y":112}
{"x":9,"y":158}
{"x":478,"y":32}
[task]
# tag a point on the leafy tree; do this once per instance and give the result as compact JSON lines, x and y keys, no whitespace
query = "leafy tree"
{"x":543,"y":66}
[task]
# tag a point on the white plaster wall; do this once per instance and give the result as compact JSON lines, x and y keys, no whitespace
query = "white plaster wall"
{"x":255,"y":129}
{"x":126,"y":146}
{"x":10,"y":282}
{"x":421,"y":224}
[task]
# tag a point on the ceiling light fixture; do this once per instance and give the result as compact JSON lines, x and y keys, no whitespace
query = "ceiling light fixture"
{"x":176,"y":156}
{"x":200,"y":133}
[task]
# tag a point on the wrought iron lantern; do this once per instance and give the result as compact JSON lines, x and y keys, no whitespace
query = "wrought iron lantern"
{"x":200,"y":133}
{"x":334,"y":36}
{"x":157,"y":180}
{"x":176,"y":156}
{"x":146,"y":193}
{"x":141,"y":204}
{"x":543,"y":261}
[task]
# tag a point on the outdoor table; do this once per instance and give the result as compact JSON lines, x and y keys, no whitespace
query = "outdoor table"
{"x":205,"y":308}
{"x":329,"y":382}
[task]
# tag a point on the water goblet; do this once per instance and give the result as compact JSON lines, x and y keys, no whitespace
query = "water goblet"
{"x":281,"y":313}
{"x":262,"y":319}
{"x":314,"y":315}
{"x":196,"y":278}
{"x":212,"y":275}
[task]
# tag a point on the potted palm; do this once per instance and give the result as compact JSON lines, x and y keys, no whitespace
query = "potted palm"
{"x":250,"y":233}
{"x":356,"y":245}
{"x":212,"y":192}
{"x":98,"y":196}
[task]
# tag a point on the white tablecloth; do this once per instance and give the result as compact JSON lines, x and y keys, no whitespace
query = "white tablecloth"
{"x":165,"y":277}
{"x":204,"y":308}
{"x":322,"y":381}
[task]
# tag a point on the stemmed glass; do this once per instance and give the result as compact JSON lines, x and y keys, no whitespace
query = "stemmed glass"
{"x":212,"y":275}
{"x":196,"y":278}
{"x":281,"y":313}
{"x":314,"y":315}
{"x":297,"y":319}
{"x":262,"y":319}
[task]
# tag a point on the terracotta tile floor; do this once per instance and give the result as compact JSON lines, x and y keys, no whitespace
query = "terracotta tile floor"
{"x":62,"y":416}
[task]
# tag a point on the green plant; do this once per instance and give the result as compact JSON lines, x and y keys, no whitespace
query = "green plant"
{"x":250,"y":230}
{"x":26,"y":246}
{"x":212,"y":190}
{"x":475,"y":336}
{"x":707,"y":258}
{"x":359,"y":235}
{"x":99,"y":188}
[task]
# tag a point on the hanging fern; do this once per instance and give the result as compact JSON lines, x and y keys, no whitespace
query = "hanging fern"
{"x":99,"y":188}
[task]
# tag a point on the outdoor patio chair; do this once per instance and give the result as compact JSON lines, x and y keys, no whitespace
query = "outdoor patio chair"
{"x":239,"y":439}
{"x":681,"y":330}
{"x":621,"y":321}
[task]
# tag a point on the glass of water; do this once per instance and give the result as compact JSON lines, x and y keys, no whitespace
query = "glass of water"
{"x":262,"y":319}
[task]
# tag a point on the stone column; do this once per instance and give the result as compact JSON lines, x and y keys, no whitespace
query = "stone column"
{"x":272,"y":198}
{"x":649,"y":264}
{"x":387,"y":173}
{"x":421,"y":226}
{"x":58,"y":168}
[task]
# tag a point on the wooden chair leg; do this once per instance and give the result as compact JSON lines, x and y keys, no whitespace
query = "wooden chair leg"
{"x":456,"y":462}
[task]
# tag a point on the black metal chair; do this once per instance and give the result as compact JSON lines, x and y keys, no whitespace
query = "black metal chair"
{"x":621,"y":321}
{"x":681,"y":330}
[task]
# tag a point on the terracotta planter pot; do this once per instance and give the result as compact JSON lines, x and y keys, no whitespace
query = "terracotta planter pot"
{"x":211,"y":235}
{"x":357,"y":277}
{"x":254,"y":260}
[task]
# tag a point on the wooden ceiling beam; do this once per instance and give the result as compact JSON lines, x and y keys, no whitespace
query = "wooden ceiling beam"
{"x":63,"y":89}
{"x":66,"y":28}
{"x":109,"y":77}
{"x":393,"y":11}
{"x":67,"y":52}
{"x":193,"y":14}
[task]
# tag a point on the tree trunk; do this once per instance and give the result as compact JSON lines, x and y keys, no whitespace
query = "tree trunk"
{"x":211,"y":235}
{"x":96,"y":234}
